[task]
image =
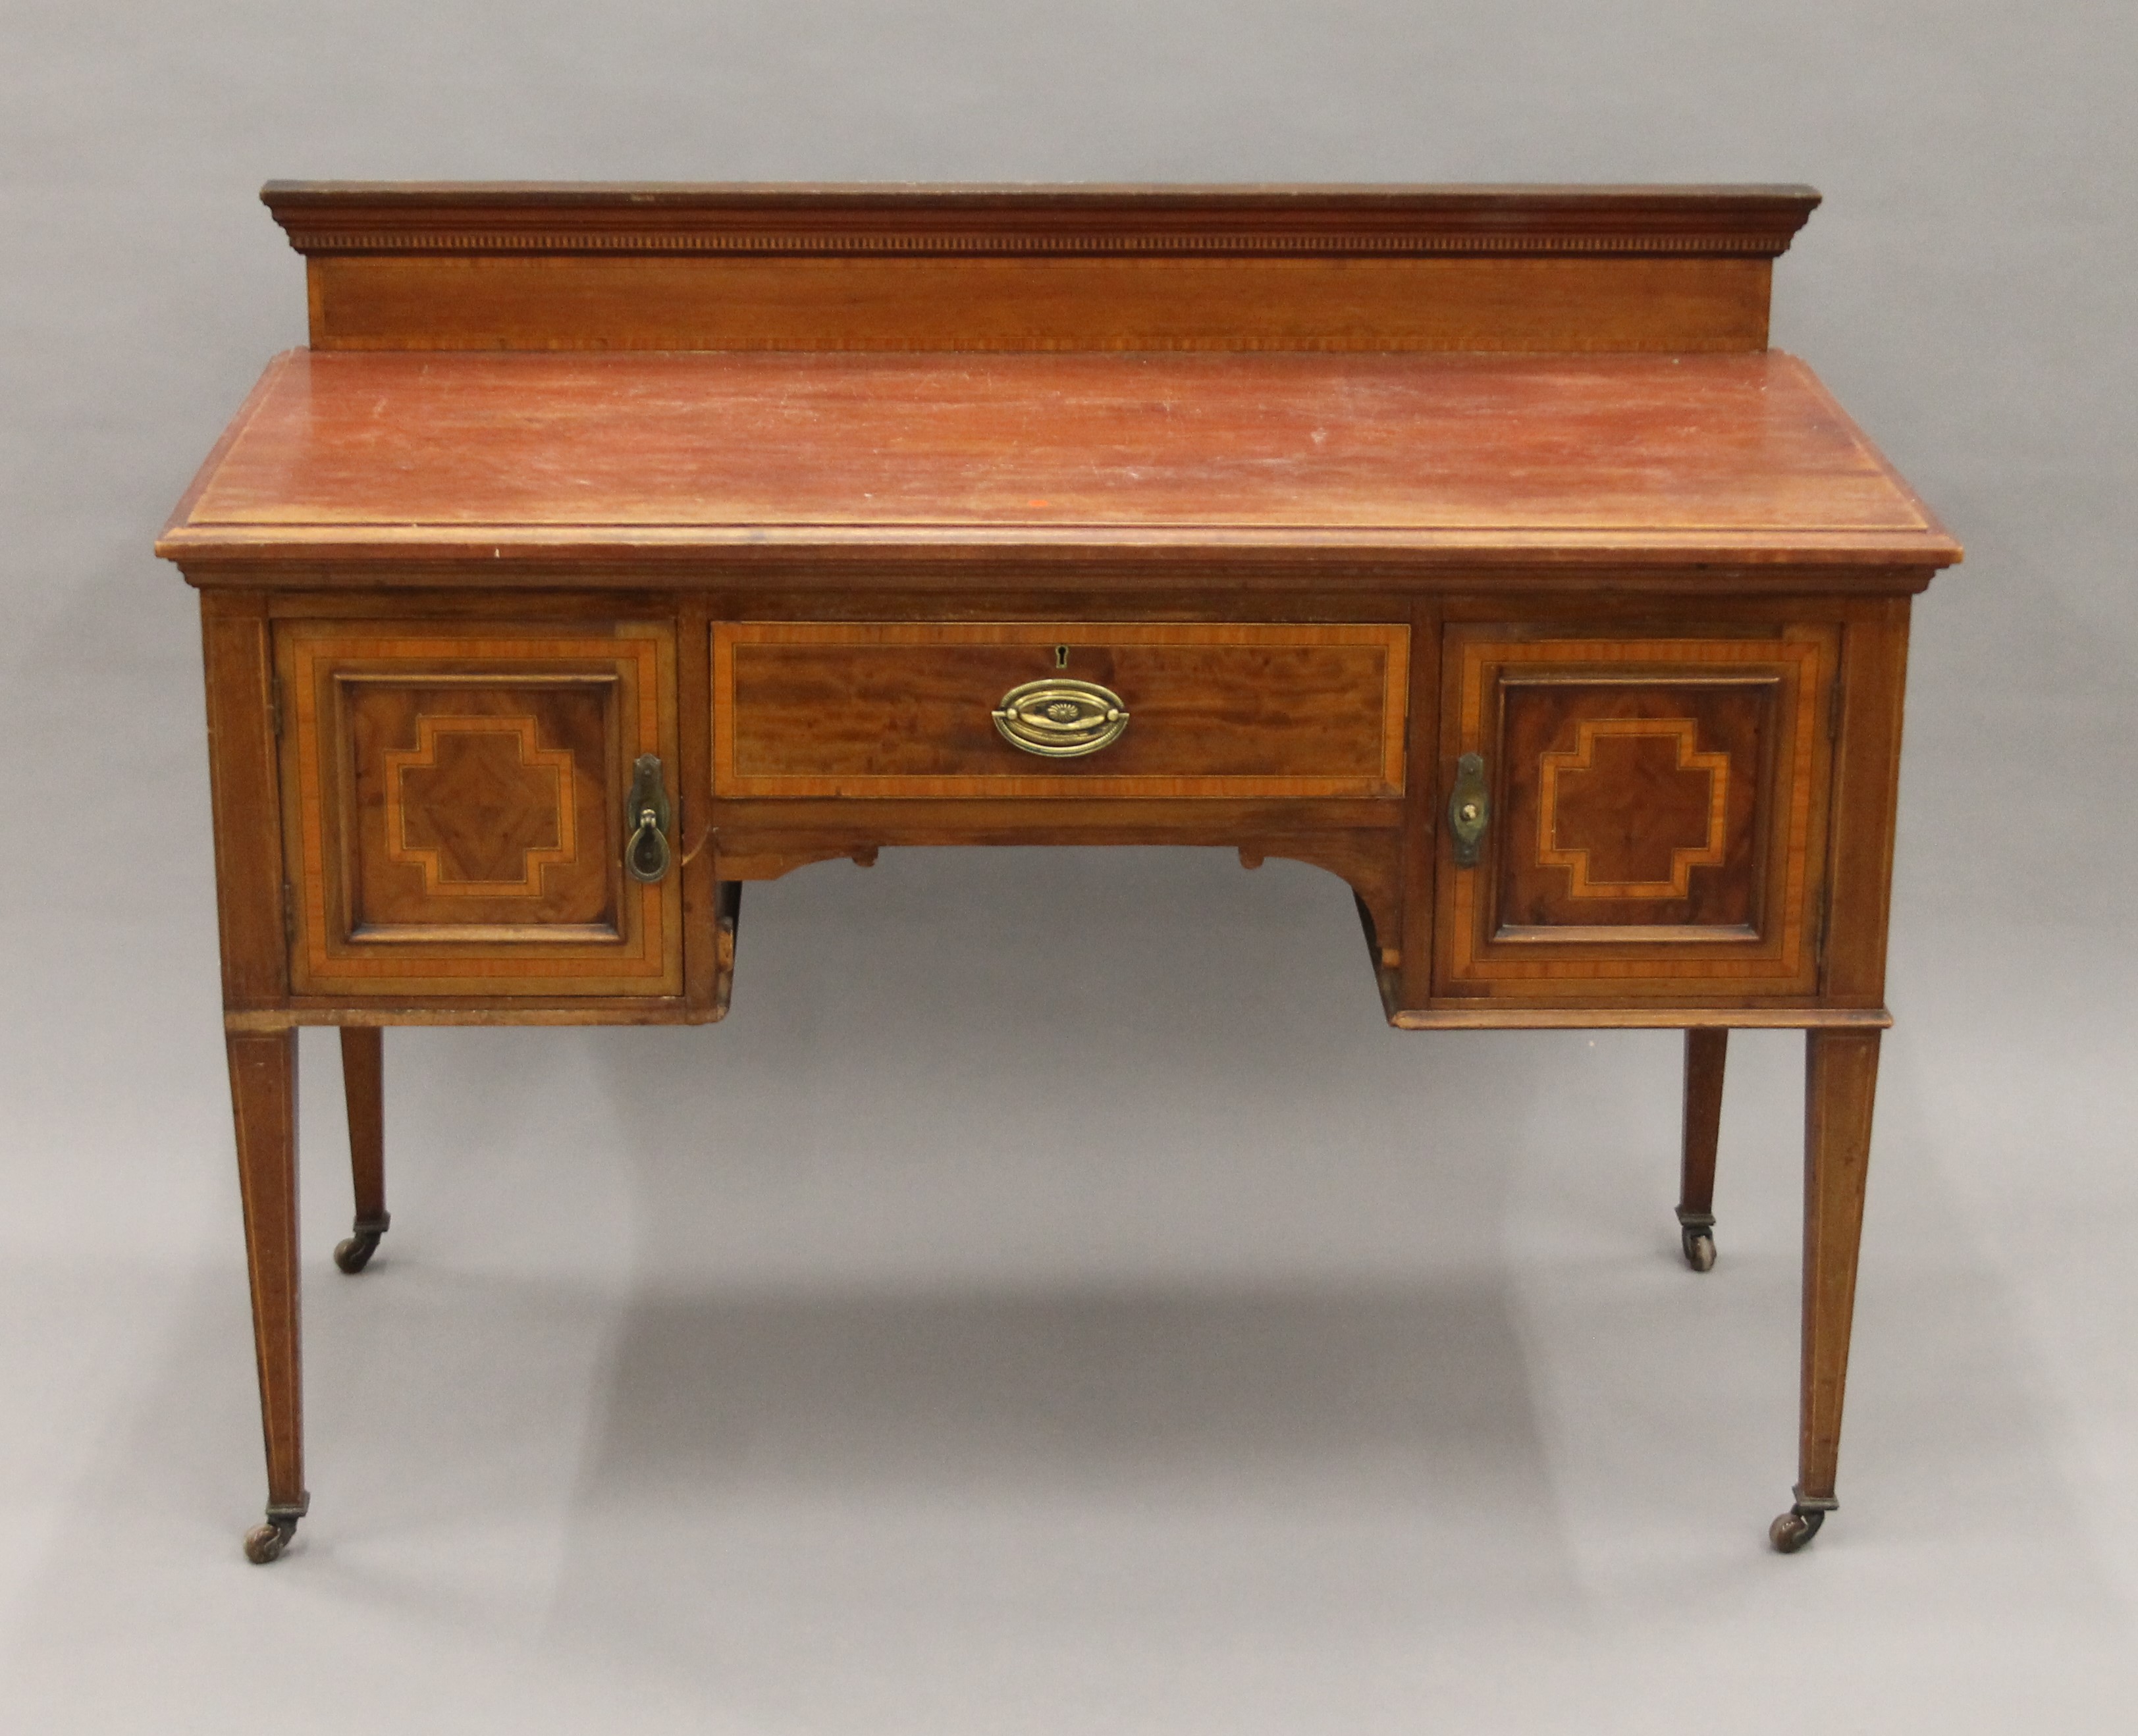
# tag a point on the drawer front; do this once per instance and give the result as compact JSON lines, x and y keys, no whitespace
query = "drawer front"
{"x":1656,"y":813}
{"x":458,"y":801}
{"x":911,"y":710}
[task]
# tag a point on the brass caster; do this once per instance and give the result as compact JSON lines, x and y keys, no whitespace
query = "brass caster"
{"x":263,"y":1543}
{"x":1796,"y":1528}
{"x":354,"y":1253}
{"x":1695,"y":1235}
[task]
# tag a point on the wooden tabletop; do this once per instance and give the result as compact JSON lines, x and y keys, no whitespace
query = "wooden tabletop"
{"x":1454,"y":456}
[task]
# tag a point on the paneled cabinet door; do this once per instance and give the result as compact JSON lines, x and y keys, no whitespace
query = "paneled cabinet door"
{"x":1653,"y":813}
{"x":456,"y":800}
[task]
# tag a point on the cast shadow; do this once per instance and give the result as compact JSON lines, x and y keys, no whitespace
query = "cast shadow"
{"x":1344,"y":1389}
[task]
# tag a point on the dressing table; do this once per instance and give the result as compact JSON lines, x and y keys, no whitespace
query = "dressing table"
{"x":611,"y":547}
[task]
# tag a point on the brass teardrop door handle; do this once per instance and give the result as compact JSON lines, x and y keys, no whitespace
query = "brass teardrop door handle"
{"x":1059,"y":718}
{"x":1469,"y":809}
{"x":646,"y":854}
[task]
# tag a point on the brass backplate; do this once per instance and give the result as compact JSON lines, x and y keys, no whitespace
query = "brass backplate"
{"x":1059,"y":718}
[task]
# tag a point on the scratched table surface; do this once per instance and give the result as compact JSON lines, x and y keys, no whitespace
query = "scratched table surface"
{"x":1740,"y":456}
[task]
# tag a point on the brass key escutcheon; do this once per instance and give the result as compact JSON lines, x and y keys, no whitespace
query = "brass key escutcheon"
{"x":1469,"y":809}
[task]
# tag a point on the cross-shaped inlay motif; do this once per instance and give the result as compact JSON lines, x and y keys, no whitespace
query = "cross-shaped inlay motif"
{"x":481,"y":806}
{"x":1632,"y":807}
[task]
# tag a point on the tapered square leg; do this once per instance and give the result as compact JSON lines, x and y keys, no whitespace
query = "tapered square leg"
{"x":1705,"y":1053}
{"x":263,"y":1091}
{"x":364,"y":1084}
{"x":1841,"y":1078}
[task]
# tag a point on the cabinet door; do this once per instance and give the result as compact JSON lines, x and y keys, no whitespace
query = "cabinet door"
{"x":1656,"y":814}
{"x":457,"y":798}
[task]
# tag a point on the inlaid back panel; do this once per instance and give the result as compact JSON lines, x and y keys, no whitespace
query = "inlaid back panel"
{"x":889,"y":268}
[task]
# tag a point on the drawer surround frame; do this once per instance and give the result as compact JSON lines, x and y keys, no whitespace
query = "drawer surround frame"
{"x":1094,"y":779}
{"x":1388,"y":849}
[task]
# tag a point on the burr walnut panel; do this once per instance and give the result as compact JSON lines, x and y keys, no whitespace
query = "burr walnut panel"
{"x":480,"y":801}
{"x":481,"y":806}
{"x":1632,"y":807}
{"x":1657,"y":809}
{"x":460,"y":799}
{"x":907,"y":710}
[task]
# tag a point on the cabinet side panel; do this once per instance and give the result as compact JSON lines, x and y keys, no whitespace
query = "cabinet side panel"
{"x":1421,"y":819}
{"x":246,"y":796}
{"x":704,"y":903}
{"x":1874,"y":662}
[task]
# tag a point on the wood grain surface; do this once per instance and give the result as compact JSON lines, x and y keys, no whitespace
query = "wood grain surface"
{"x":364,"y":1095}
{"x":1633,"y":808}
{"x":522,"y":301}
{"x":563,"y":266}
{"x":263,"y":1092}
{"x":1520,"y":924}
{"x":905,"y":709}
{"x":459,"y":799}
{"x":497,"y":454}
{"x":1011,"y":219}
{"x":1841,"y":1083}
{"x":1706,"y":1063}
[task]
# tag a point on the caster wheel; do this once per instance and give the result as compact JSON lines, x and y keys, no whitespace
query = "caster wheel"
{"x":354,"y":1253}
{"x":1794,"y":1529}
{"x":1699,"y":1249}
{"x":263,"y":1543}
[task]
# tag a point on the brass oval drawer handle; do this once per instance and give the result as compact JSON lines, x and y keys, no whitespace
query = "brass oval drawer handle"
{"x":1060,"y":718}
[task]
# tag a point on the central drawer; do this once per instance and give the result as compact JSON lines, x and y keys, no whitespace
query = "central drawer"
{"x":1092,"y":708}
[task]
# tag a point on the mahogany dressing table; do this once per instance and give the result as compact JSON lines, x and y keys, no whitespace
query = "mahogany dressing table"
{"x":610,"y":547}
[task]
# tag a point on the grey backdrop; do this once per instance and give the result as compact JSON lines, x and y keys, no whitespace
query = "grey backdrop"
{"x":1053,"y":1301}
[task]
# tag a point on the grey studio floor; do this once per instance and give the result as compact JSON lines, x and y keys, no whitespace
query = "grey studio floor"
{"x":1053,"y":1301}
